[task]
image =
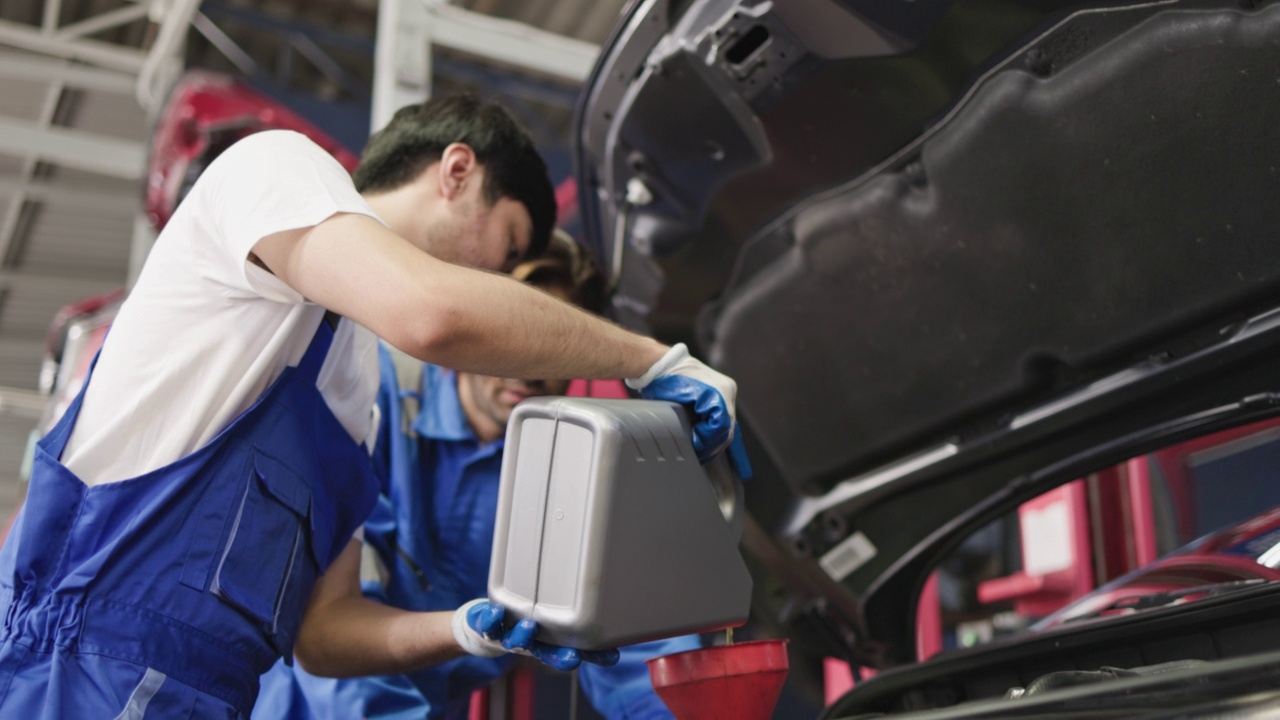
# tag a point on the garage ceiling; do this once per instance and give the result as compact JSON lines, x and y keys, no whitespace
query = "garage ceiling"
{"x":79,"y":77}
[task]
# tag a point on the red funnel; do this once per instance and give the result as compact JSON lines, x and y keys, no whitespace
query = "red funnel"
{"x":726,"y":682}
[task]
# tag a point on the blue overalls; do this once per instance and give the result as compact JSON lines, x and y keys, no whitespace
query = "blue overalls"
{"x":168,"y":594}
{"x":433,"y":529}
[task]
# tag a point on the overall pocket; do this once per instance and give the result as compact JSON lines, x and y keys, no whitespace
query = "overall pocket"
{"x":268,"y":565}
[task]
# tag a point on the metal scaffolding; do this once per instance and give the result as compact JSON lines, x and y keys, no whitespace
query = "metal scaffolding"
{"x":409,"y":29}
{"x":136,"y":50}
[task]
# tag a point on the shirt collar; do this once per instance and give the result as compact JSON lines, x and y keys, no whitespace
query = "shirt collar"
{"x":441,"y":416}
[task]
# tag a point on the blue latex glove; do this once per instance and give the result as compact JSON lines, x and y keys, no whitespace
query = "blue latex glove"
{"x":738,"y":459}
{"x":708,"y":396}
{"x":478,"y":628}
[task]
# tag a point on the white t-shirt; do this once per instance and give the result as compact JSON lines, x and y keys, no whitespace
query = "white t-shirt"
{"x":205,"y":331}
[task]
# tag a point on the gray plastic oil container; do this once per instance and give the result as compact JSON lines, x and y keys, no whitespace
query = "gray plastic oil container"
{"x":609,"y":531}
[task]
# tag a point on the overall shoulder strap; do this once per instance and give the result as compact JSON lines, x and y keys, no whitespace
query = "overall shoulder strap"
{"x":313,"y":359}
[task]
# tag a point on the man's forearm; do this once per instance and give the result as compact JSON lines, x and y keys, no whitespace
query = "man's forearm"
{"x":466,"y":319}
{"x":344,"y":634}
{"x":354,"y":636}
{"x":500,"y":327}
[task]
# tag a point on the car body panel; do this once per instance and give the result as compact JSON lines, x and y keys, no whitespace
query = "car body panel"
{"x":955,"y":253}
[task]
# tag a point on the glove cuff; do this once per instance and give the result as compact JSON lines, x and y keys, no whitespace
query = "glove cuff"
{"x":471,"y":641}
{"x":676,"y":355}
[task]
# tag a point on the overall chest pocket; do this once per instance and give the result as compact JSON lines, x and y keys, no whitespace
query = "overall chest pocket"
{"x":267,"y":563}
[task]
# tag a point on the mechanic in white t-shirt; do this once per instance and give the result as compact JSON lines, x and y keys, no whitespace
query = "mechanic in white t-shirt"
{"x":190,"y":518}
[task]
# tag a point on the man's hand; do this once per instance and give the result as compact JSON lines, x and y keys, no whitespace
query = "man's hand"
{"x":709,"y":395}
{"x":478,"y":628}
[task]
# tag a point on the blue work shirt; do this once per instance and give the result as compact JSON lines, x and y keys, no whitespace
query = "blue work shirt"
{"x":432,"y":532}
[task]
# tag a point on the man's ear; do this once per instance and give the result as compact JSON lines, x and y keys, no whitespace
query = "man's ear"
{"x":457,"y":168}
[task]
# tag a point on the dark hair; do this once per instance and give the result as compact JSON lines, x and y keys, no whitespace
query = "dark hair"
{"x":418,"y":134}
{"x":568,"y":266}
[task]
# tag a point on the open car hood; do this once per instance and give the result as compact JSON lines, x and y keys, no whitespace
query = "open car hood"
{"x":953,"y":251}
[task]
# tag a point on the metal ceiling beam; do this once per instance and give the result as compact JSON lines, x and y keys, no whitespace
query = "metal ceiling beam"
{"x":164,"y":59}
{"x":154,"y":68}
{"x":21,"y":347}
{"x":121,"y":200}
{"x":407,"y":30}
{"x":225,"y":45}
{"x":9,"y":223}
{"x":103,"y":54}
{"x":74,"y":148}
{"x":75,"y":288}
{"x":329,"y":37}
{"x":401,"y":59}
{"x":510,"y":42}
{"x":98,"y":23}
{"x":42,"y":70}
{"x":141,"y":241}
{"x":52,"y":11}
{"x":17,"y":402}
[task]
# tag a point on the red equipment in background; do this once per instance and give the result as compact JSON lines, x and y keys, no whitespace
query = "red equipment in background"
{"x":207,"y":112}
{"x":74,"y":336}
{"x":1057,"y":564}
{"x":1123,"y":521}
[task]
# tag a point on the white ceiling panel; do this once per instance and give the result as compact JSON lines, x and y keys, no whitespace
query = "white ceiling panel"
{"x":87,"y":179}
{"x":78,"y":242}
{"x":22,"y":99}
{"x":14,"y":432}
{"x":19,"y":368}
{"x":31,"y":301}
{"x":115,"y":115}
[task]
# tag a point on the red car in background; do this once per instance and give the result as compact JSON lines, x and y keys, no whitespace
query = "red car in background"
{"x":206,"y":112}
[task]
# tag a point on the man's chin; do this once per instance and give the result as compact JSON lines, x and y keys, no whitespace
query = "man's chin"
{"x":509,"y":400}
